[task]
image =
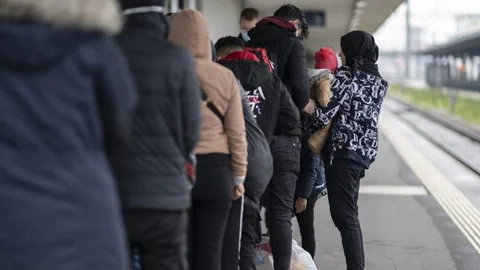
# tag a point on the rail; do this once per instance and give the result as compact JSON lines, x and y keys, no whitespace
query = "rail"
{"x":472,"y":135}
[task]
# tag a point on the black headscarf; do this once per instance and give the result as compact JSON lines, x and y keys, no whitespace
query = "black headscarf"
{"x":361,"y":52}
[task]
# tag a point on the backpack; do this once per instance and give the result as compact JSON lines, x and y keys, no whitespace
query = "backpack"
{"x":260,"y":161}
{"x":265,"y":56}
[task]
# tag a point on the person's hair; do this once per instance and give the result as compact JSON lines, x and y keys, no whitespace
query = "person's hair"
{"x":290,"y":12}
{"x":228,"y":44}
{"x":249,"y":14}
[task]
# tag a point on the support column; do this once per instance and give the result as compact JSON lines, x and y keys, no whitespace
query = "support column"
{"x":173,"y":5}
{"x":191,"y":4}
{"x":408,"y":43}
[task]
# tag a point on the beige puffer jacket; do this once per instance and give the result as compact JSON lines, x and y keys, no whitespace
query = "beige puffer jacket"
{"x":189,"y":29}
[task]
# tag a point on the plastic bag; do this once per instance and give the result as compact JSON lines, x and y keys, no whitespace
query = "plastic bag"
{"x":301,"y":260}
{"x":264,"y":258}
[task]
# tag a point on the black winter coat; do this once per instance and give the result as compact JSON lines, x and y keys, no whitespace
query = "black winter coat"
{"x":269,"y":100}
{"x":150,"y":167}
{"x":275,"y":34}
{"x":62,"y":93}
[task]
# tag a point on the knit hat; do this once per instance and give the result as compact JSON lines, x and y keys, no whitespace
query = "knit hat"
{"x":326,"y":58}
{"x":127,"y":4}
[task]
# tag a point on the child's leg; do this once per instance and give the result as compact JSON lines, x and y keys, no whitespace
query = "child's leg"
{"x":307,"y":226}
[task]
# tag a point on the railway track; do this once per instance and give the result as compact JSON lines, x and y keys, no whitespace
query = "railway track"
{"x":459,"y":141}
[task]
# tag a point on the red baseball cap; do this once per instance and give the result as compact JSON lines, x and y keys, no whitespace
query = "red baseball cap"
{"x":326,"y":58}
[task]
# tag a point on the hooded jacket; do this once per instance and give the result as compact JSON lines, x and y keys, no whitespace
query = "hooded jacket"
{"x":355,"y":108}
{"x":270,"y":101}
{"x":278,"y":36}
{"x":189,"y":30}
{"x":65,"y":91}
{"x":150,"y":166}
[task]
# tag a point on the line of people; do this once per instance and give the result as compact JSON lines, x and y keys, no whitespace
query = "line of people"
{"x":124,"y":132}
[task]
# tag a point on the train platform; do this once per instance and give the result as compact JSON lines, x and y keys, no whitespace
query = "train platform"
{"x":418,"y":207}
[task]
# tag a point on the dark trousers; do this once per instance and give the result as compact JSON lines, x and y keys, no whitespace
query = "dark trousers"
{"x":159,"y":237}
{"x":244,"y":232}
{"x":305,"y":221}
{"x":231,"y":241}
{"x":286,"y":165}
{"x":211,"y":202}
{"x":343,"y":185}
{"x":251,"y":236}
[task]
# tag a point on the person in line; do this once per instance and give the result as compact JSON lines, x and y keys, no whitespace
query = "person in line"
{"x":65,"y":96}
{"x":222,"y":149}
{"x":150,"y":167}
{"x":281,"y":35}
{"x":248,"y":18}
{"x":275,"y":113}
{"x":311,"y":183}
{"x":358,"y":93}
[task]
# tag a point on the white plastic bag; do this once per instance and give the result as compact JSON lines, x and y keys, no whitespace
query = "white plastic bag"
{"x":301,"y":260}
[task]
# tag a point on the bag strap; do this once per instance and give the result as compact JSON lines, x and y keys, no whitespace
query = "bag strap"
{"x":262,"y":54}
{"x":212,"y":106}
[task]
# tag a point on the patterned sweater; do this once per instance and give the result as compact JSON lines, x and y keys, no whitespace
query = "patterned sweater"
{"x":355,"y":108}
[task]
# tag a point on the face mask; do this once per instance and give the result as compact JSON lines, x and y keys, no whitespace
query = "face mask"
{"x":297,"y":33}
{"x":339,"y":61}
{"x":245,"y":36}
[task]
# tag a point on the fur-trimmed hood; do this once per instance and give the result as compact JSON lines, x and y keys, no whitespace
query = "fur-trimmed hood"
{"x":89,"y":15}
{"x":36,"y":34}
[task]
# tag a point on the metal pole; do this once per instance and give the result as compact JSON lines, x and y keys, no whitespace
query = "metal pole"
{"x":408,"y":43}
{"x":192,"y":4}
{"x":174,"y":6}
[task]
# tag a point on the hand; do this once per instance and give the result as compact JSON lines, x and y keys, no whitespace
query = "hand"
{"x":238,"y":191}
{"x":191,"y":171}
{"x":300,"y":205}
{"x":310,"y":108}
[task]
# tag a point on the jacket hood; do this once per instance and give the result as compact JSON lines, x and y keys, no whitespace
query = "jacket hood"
{"x":28,"y":39}
{"x":189,"y":29}
{"x":270,"y":29}
{"x":88,"y":15}
{"x":277,"y":21}
{"x":36,"y":46}
{"x":251,"y":74}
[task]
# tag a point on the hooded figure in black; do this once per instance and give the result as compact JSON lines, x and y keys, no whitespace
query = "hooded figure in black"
{"x":275,"y":114}
{"x":358,"y":93}
{"x":270,"y":101}
{"x":281,"y":35}
{"x":150,"y":167}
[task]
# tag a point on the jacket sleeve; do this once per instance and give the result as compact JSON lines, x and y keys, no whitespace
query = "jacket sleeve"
{"x":235,"y":130}
{"x":310,"y":163}
{"x":342,"y":93}
{"x":116,"y":92}
{"x":287,"y":106}
{"x":190,"y":98}
{"x":297,"y":75}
